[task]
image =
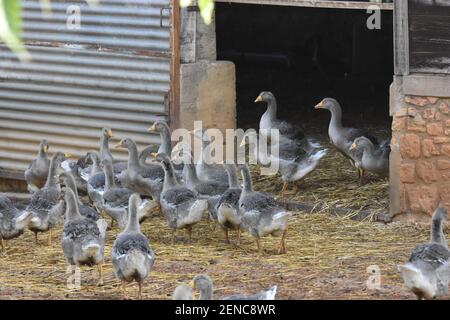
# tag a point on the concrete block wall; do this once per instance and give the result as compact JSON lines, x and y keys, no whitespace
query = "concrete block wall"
{"x":420,"y":158}
{"x":207,"y":86}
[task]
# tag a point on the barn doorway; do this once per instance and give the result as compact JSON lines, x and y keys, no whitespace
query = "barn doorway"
{"x":306,"y":54}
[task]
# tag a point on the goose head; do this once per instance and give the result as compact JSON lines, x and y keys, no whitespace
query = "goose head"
{"x":44,"y":145}
{"x":107,"y":133}
{"x":158,"y":126}
{"x":265,"y":96}
{"x":204,"y":284}
{"x":125,"y":143}
{"x":328,"y":104}
{"x":360,"y":143}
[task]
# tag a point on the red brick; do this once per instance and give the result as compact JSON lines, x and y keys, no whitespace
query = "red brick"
{"x":410,"y":146}
{"x":435,"y":129}
{"x":443,"y":164}
{"x":444,"y":108}
{"x":441,"y":140}
{"x":445,"y":149}
{"x":407,"y":173}
{"x":426,"y":171}
{"x":417,"y":101}
{"x":423,"y":198}
{"x":433,"y":100}
{"x":398,"y":124}
{"x":429,"y":113}
{"x":429,"y":149}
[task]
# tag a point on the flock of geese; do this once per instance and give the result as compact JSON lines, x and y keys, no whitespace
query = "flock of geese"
{"x":165,"y":179}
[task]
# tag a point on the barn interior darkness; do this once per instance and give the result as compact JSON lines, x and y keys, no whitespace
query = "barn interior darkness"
{"x":305,"y":54}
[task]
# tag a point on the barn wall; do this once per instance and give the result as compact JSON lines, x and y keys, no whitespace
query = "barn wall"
{"x":207,"y":86}
{"x":420,"y":159}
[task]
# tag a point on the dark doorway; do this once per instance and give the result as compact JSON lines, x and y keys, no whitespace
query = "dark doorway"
{"x":305,"y":54}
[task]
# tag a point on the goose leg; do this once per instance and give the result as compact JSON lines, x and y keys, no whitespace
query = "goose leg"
{"x":361,"y":176}
{"x":227,"y":240}
{"x":2,"y":244}
{"x":124,"y":290}
{"x":100,"y":274}
{"x":283,"y":190}
{"x":50,"y":237}
{"x":173,"y":236}
{"x":282,"y":248}
{"x":36,"y":237}
{"x":239,"y":236}
{"x":189,"y":231}
{"x":140,"y":290}
{"x":260,"y":249}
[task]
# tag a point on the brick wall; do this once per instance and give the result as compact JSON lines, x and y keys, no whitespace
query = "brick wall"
{"x":421,"y":132}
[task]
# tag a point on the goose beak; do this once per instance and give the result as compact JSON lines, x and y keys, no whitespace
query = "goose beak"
{"x":319,"y":105}
{"x":109,"y":133}
{"x":152,"y":128}
{"x":67,"y":155}
{"x":46,"y":148}
{"x":259,"y":99}
{"x":353,"y":146}
{"x":119,"y":145}
{"x":153,"y":155}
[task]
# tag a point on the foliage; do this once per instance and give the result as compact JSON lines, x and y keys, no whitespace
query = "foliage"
{"x":206,"y":8}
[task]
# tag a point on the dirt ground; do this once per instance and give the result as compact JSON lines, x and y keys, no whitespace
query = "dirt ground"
{"x":327,"y":257}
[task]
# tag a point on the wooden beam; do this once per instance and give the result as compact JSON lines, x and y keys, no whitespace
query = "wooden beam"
{"x":174,"y":99}
{"x":401,"y":38}
{"x":316,"y":3}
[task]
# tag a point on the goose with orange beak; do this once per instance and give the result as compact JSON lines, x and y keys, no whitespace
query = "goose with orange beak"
{"x":341,"y":137}
{"x":36,"y":174}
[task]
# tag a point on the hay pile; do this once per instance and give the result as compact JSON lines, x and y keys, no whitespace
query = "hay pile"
{"x":333,"y":184}
{"x":327,"y":258}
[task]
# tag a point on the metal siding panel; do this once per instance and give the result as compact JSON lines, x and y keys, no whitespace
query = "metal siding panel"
{"x":113,"y":72}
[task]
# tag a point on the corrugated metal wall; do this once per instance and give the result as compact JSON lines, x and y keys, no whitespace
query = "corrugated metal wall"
{"x":114,"y":71}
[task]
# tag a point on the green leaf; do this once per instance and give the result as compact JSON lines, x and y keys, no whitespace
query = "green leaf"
{"x":11,"y":27}
{"x":185,"y":3}
{"x":206,"y":10}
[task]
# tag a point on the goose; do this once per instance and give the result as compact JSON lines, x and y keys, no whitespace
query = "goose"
{"x":96,"y":183}
{"x":341,"y":137}
{"x":375,"y":159}
{"x":293,"y":160}
{"x":206,"y":170}
{"x":204,"y":285}
{"x":427,"y":272}
{"x":132,"y":257}
{"x":180,"y":206}
{"x":226,"y":209}
{"x":261,"y":214}
{"x":46,"y":207}
{"x":75,"y":167}
{"x":12,"y":220}
{"x":182,"y":292}
{"x":163,"y":129}
{"x":144,"y":179}
{"x":203,"y":188}
{"x":37,"y":171}
{"x":83,"y":240}
{"x":85,"y":211}
{"x":269,"y":119}
{"x":115,"y":199}
{"x":146,"y":153}
{"x":105,"y":152}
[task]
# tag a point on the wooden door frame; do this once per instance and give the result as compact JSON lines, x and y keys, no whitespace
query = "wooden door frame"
{"x":174,"y":93}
